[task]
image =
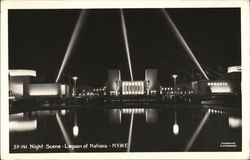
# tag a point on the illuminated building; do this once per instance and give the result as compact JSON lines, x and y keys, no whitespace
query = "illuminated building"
{"x":202,"y":87}
{"x":234,"y":69}
{"x":214,"y":87}
{"x":21,"y":87}
{"x":231,"y":83}
{"x":133,"y":87}
{"x":114,"y":81}
{"x":115,"y":86}
{"x":44,"y":89}
{"x":18,"y":80}
{"x":47,"y":90}
{"x":234,"y":75}
{"x":65,"y":90}
{"x":151,"y":78}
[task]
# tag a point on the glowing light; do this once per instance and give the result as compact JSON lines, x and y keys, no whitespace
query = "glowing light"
{"x":75,"y":78}
{"x":234,"y":122}
{"x":43,"y":89}
{"x":130,"y":71}
{"x":16,"y":88}
{"x":183,"y":42}
{"x":63,"y":112}
{"x":63,"y":89}
{"x":126,"y":44}
{"x":75,"y":131}
{"x":135,"y":87}
{"x":197,"y":132}
{"x":133,"y":110}
{"x":20,"y":126}
{"x":174,"y":76}
{"x":221,"y":89}
{"x":234,"y":69}
{"x":22,"y":72}
{"x":73,"y":39}
{"x":176,"y":129}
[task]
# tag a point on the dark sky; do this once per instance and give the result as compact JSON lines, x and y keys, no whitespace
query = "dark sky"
{"x":38,"y":40}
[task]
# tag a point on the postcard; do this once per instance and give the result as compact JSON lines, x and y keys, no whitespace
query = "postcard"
{"x":125,"y":79}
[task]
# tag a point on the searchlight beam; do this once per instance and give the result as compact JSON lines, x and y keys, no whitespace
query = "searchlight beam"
{"x":64,"y":132}
{"x":78,"y":26}
{"x":197,"y":132}
{"x":183,"y":42}
{"x":126,"y":43}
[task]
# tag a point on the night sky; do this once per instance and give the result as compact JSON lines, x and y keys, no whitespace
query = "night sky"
{"x":38,"y":40}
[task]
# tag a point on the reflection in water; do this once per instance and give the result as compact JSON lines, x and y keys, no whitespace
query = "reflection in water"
{"x":142,"y":129}
{"x":234,"y":122}
{"x":175,"y":126}
{"x":75,"y":127}
{"x":75,"y":131}
{"x":135,"y":110}
{"x":44,"y":113}
{"x":21,"y":122}
{"x":151,"y":115}
{"x":214,"y":111}
{"x":197,"y":131}
{"x":63,"y":112}
{"x":176,"y":129}
{"x":63,"y":130}
{"x":20,"y":126}
{"x":130,"y":131}
{"x":115,"y":116}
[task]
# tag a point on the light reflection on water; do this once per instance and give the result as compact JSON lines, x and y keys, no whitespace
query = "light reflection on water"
{"x":167,"y":129}
{"x":151,"y":115}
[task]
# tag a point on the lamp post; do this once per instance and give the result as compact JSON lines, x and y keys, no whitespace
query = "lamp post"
{"x":74,"y":78}
{"x":174,"y":76}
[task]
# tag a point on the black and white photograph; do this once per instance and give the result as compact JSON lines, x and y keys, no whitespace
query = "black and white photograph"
{"x":125,"y":79}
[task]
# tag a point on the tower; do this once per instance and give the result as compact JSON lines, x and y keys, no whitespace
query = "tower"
{"x":114,"y":79}
{"x":151,"y":78}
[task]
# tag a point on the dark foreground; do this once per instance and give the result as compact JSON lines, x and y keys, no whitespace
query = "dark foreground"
{"x":172,"y":128}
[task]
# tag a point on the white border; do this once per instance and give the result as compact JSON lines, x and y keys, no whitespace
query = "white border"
{"x":76,"y":4}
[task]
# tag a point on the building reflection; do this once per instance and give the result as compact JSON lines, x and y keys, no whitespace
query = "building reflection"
{"x":176,"y":125}
{"x":150,"y":115}
{"x":21,"y":122}
{"x":234,"y":122}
